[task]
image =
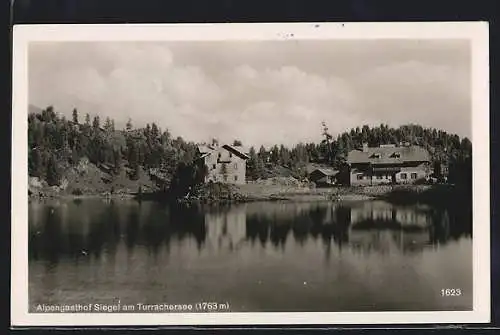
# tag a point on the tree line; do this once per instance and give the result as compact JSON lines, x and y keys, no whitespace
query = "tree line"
{"x":445,"y":149}
{"x":56,"y":143}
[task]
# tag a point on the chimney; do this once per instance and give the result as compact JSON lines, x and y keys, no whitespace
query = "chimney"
{"x":365,"y":147}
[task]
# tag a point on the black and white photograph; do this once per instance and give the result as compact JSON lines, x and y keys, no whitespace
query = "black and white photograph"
{"x":329,"y":171}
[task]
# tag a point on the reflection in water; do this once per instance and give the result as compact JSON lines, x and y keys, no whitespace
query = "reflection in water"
{"x":370,"y":225}
{"x":373,"y":225}
{"x":152,"y":228}
{"x":196,"y":246}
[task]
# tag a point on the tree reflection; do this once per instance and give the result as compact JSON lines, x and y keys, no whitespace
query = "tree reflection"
{"x":356,"y":225}
{"x":278,"y":233}
{"x":145,"y":225}
{"x":89,"y":230}
{"x":47,"y":242}
{"x":257,"y":228}
{"x":132,"y":229}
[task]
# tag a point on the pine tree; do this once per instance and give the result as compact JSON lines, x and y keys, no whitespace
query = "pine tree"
{"x":108,"y":126}
{"x":328,"y":157}
{"x":75,"y":116}
{"x":48,"y":114}
{"x":284,"y":155}
{"x":263,"y":153}
{"x":155,"y":132}
{"x":147,"y":131}
{"x":117,"y":161}
{"x":96,"y":123}
{"x":53,"y":173}
{"x":275,"y":155}
{"x":36,"y":166}
{"x":260,"y":169}
{"x":128,"y":126}
{"x":256,"y":166}
{"x":252,"y":163}
{"x":135,"y":175}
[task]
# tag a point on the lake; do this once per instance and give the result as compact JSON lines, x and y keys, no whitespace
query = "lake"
{"x":253,"y":257}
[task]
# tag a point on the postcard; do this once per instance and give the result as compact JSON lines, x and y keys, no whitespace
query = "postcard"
{"x":250,"y":174}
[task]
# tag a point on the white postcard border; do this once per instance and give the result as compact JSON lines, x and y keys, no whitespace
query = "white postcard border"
{"x":476,"y":32}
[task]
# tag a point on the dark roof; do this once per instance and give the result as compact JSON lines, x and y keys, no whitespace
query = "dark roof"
{"x":237,"y":150}
{"x":388,"y":155}
{"x":325,"y":171}
{"x":204,"y":148}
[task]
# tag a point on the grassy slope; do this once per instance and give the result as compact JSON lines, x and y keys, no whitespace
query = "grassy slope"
{"x":93,"y":181}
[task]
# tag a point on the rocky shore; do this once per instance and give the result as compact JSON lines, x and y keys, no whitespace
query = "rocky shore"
{"x":272,"y":189}
{"x":221,"y":193}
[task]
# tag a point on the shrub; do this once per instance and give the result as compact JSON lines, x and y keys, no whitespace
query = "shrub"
{"x":422,"y":181}
{"x":77,"y":191}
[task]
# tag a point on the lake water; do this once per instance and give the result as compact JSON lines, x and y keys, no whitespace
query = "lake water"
{"x":273,"y":256}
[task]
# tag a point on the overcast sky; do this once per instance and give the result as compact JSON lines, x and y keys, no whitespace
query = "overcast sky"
{"x":259,"y":92}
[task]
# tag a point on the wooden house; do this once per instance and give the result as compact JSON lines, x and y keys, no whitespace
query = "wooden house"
{"x":324,"y":177}
{"x":388,"y":164}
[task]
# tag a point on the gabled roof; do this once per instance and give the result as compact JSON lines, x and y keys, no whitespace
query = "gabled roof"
{"x":388,"y":155}
{"x":203,"y":149}
{"x":206,"y":150}
{"x":237,"y":150}
{"x":326,"y":171}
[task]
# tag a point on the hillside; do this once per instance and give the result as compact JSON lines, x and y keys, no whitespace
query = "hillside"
{"x":70,"y":156}
{"x":87,"y":179}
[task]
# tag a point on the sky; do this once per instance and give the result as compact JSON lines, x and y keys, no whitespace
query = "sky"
{"x":260,"y":92}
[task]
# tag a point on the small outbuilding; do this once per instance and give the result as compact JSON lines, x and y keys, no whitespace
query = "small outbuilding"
{"x":324,"y":177}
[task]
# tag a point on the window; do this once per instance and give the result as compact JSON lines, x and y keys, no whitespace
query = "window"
{"x":359,"y":176}
{"x":403,"y":175}
{"x":235,"y":166}
{"x":214,"y":166}
{"x":413,"y":176}
{"x":225,"y":178}
{"x":230,"y":155}
{"x":379,"y":177}
{"x":219,"y":155}
{"x":235,"y":178}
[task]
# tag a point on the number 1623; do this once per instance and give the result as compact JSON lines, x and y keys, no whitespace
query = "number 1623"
{"x":451,"y":292}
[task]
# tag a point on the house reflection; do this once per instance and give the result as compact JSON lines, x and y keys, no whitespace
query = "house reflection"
{"x":383,"y":227}
{"x":225,"y":228}
{"x":370,"y":226}
{"x":386,"y":240}
{"x":381,"y":211}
